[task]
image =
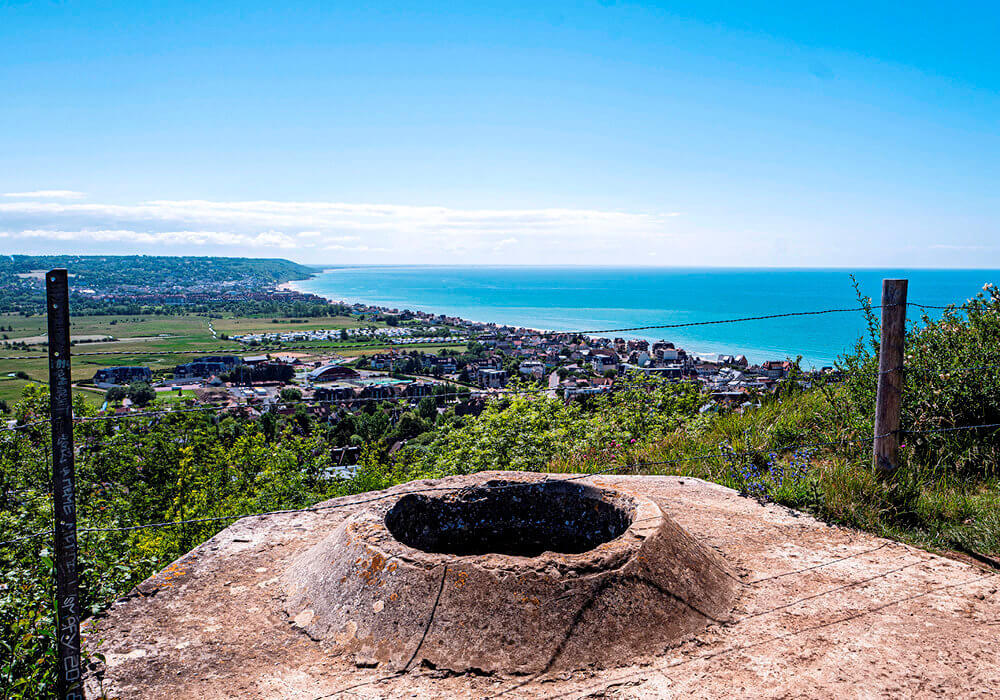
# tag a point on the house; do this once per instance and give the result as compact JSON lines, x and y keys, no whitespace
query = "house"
{"x":247,"y":374}
{"x":776,"y":369}
{"x":674,"y":371}
{"x":666,"y":354}
{"x":273,"y":372}
{"x":418,"y":390}
{"x":491,"y":378}
{"x":204,"y":367}
{"x":707,"y":369}
{"x":639,"y":358}
{"x":331,"y":373}
{"x":119,"y":376}
{"x":335,"y":392}
{"x":436,"y":363}
{"x":378,"y":391}
{"x":603,"y":361}
{"x":532,"y":367}
{"x":382,"y":362}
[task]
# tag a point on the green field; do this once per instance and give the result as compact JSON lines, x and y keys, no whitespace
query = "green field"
{"x":10,"y":390}
{"x":147,"y":340}
{"x":138,"y":338}
{"x":237,"y":325}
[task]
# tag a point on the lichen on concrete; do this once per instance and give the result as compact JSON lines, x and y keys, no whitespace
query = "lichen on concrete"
{"x":824,"y":611}
{"x":521,"y":575}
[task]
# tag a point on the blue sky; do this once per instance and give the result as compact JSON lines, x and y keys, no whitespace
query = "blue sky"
{"x":743,"y":133}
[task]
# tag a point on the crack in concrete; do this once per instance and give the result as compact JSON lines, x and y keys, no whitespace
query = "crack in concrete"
{"x":430,"y":620}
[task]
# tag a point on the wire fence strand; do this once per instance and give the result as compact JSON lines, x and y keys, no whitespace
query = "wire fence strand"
{"x":392,"y":345}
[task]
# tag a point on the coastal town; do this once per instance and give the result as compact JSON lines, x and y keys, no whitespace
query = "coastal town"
{"x":317,"y":368}
{"x":366,"y":354}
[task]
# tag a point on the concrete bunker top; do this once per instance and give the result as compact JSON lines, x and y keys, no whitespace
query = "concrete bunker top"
{"x":511,"y":575}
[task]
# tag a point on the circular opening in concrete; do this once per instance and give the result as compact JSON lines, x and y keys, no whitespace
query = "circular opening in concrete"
{"x":508,"y":518}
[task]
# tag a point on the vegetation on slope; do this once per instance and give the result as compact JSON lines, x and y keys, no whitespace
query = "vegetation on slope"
{"x":102,"y":271}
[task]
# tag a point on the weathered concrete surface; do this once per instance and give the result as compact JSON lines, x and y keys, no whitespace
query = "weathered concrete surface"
{"x":366,"y":593}
{"x":824,"y":612}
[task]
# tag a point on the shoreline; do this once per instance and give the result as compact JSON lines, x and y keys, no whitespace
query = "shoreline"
{"x":291,"y":285}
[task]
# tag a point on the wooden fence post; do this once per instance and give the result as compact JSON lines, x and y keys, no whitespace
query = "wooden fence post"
{"x":70,"y":672}
{"x":888,"y":401}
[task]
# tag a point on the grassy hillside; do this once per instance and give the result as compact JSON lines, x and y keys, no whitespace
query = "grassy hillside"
{"x":152,"y":270}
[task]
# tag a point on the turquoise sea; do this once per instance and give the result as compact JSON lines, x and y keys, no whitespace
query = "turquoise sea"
{"x":591,"y":298}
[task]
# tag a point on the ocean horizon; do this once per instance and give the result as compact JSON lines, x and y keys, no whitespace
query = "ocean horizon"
{"x":579,"y":298}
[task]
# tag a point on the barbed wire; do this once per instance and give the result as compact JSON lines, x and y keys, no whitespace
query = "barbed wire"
{"x":401,"y":400}
{"x":312,"y":509}
{"x":393,"y":345}
{"x":470,"y":393}
{"x":237,"y":407}
{"x":44,"y":533}
{"x":613,"y":469}
{"x":691,"y":324}
{"x":243,"y":349}
{"x":25,"y":426}
{"x":946,"y":370}
{"x":931,"y":306}
{"x":950,"y":430}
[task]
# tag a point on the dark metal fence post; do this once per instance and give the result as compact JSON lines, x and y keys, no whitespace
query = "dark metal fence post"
{"x":70,"y":671}
{"x":888,"y":401}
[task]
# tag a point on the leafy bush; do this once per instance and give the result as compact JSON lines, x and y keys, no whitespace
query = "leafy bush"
{"x":291,"y":394}
{"x":952,"y":380}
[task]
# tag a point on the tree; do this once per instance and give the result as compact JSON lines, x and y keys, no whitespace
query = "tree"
{"x":302,"y":420}
{"x":141,"y":393}
{"x":290,"y":394}
{"x":115,"y":394}
{"x":241,"y":375}
{"x":427,"y":408}
{"x":269,"y":426}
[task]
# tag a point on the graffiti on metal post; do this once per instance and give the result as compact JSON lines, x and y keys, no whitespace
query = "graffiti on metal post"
{"x":70,"y":671}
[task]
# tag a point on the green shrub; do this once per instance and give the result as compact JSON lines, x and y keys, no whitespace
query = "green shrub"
{"x":952,"y":380}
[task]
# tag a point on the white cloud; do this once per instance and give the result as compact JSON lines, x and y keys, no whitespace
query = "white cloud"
{"x":198,"y":238}
{"x":945,"y":246}
{"x":408,"y":233}
{"x":46,"y":194}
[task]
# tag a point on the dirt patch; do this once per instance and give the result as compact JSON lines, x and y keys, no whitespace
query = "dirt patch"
{"x":822,"y":612}
{"x":212,"y":394}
